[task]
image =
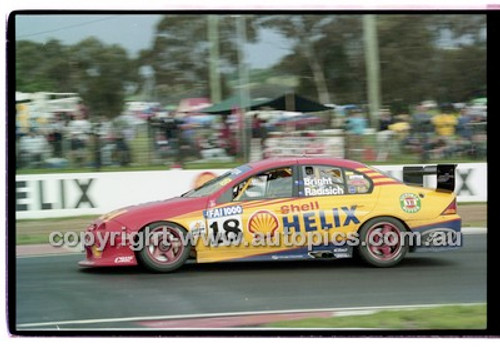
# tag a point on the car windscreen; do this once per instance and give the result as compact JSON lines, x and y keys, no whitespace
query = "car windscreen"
{"x":217,"y":183}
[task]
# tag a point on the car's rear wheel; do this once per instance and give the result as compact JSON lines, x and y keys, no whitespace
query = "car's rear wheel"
{"x":165,"y":249}
{"x":381,"y":242}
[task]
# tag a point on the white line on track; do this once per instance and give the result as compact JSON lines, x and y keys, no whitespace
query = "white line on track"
{"x":338,"y":312}
{"x":474,"y":230}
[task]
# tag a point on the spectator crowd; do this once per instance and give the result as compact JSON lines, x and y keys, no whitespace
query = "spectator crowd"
{"x":79,"y":139}
{"x":432,"y":132}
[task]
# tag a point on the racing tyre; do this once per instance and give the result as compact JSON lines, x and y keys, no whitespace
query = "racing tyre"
{"x":164,"y":250}
{"x":381,"y":243}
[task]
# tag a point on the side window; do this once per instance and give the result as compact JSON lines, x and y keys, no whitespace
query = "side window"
{"x":322,"y":181}
{"x":357,"y":182}
{"x":275,"y":183}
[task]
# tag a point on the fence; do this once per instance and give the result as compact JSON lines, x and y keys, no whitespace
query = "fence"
{"x":146,"y":144}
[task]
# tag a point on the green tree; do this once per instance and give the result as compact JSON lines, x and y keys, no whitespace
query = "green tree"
{"x":41,"y":67}
{"x":422,"y":56}
{"x":100,"y":73}
{"x":305,"y":32}
{"x":406,"y":56}
{"x":180,"y":54}
{"x":437,"y":57}
{"x":460,"y":64}
{"x":326,"y":55}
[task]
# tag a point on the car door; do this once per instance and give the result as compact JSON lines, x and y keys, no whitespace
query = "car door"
{"x":332,"y":203}
{"x":247,"y":217}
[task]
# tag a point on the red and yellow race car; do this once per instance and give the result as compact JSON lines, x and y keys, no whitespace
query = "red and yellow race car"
{"x":285,"y":209}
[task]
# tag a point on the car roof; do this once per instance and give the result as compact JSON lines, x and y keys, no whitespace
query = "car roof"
{"x":288,"y":161}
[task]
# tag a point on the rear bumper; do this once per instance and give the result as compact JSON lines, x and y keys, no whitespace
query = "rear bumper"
{"x":438,"y":236}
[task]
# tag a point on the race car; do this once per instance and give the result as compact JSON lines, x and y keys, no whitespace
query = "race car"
{"x":285,"y":209}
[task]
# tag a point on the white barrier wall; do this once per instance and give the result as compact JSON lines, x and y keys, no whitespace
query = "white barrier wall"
{"x":60,"y":195}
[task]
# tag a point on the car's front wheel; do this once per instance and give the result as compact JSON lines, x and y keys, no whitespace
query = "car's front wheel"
{"x":382,"y":243}
{"x":165,"y":247}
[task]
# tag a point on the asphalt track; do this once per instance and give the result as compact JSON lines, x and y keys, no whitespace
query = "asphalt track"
{"x":54,"y":293}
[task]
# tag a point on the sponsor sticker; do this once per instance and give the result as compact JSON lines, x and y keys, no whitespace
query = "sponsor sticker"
{"x":224,"y":211}
{"x":342,"y":252}
{"x":362,"y":189}
{"x":225,"y":181}
{"x":410,"y":202}
{"x":197,"y":228}
{"x":263,"y":221}
{"x":96,"y":252}
{"x":123,"y":259}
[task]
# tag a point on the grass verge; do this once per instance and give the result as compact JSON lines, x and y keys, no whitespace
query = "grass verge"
{"x":37,"y":238}
{"x":440,"y":318}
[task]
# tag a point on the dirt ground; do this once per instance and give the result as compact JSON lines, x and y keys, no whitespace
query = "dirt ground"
{"x":472,"y":215}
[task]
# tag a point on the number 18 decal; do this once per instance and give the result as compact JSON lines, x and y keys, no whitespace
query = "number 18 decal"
{"x":224,"y":225}
{"x":225,"y":231}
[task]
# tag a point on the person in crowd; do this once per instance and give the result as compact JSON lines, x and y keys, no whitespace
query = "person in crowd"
{"x":124,"y":133}
{"x":463,"y":124}
{"x":256,"y":126}
{"x":479,"y":131}
{"x":422,"y":131}
{"x":384,"y":135}
{"x":445,"y":122}
{"x":107,"y":144}
{"x":33,"y":149}
{"x":444,"y":127}
{"x":95,"y":136}
{"x":190,"y":139}
{"x":355,"y":128}
{"x":225,"y":136}
{"x":421,"y":120}
{"x":55,"y":130}
{"x":172,"y":126}
{"x":465,"y":132}
{"x":401,"y":132}
{"x":78,"y":129}
{"x":83,"y":110}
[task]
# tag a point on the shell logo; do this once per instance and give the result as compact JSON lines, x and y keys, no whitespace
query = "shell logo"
{"x":203,"y":178}
{"x":264,"y":222}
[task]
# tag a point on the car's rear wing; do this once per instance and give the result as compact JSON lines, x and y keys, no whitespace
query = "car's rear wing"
{"x":445,"y":175}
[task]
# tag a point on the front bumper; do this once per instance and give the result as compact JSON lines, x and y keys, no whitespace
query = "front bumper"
{"x":113,"y":252}
{"x":110,"y":256}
